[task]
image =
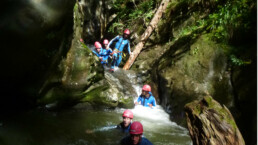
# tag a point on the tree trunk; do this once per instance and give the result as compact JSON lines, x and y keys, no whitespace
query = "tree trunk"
{"x":153,"y":24}
{"x":209,"y":123}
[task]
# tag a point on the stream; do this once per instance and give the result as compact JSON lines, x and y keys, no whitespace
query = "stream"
{"x":90,"y":126}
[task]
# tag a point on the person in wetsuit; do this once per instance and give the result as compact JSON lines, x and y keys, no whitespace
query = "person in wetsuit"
{"x":146,"y":98}
{"x":135,"y":137}
{"x":127,"y":119}
{"x":121,"y":43}
{"x":106,"y":52}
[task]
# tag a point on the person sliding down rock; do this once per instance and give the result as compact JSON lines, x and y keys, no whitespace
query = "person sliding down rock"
{"x":135,"y":137}
{"x":121,"y":43}
{"x":146,"y":98}
{"x":127,"y":120}
{"x":99,"y":52}
{"x":106,"y":53}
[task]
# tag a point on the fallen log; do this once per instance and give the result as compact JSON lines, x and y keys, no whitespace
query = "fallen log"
{"x":209,"y":123}
{"x":144,"y":37}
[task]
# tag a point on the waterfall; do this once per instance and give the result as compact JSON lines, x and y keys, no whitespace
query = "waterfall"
{"x":147,"y":115}
{"x":217,"y":82}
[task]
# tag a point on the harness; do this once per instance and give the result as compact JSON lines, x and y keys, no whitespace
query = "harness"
{"x":119,"y":47}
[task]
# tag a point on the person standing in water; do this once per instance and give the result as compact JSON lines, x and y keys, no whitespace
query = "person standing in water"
{"x":127,"y":120}
{"x":146,"y":98}
{"x":135,"y":137}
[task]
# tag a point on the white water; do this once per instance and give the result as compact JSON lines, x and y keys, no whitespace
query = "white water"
{"x":155,"y":121}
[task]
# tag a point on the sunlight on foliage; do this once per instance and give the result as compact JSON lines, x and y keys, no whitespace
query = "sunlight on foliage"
{"x":229,"y":16}
{"x":128,"y":12}
{"x":237,"y":61}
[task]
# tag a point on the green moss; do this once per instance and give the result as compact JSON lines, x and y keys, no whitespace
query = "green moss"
{"x":196,"y":107}
{"x":96,"y":98}
{"x":209,"y":101}
{"x":86,"y":49}
{"x":221,"y":110}
{"x":75,"y":8}
{"x":48,"y":98}
{"x":126,"y":103}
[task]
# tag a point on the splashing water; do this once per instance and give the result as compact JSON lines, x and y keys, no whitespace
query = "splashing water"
{"x":93,"y":127}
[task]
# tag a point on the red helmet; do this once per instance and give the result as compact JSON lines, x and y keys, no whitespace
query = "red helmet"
{"x":105,"y":41}
{"x":146,"y":88}
{"x":97,"y":44}
{"x":127,"y":31}
{"x":128,"y":114}
{"x":136,"y":128}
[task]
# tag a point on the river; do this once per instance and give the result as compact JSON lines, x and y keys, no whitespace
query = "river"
{"x":87,"y":127}
{"x":90,"y":126}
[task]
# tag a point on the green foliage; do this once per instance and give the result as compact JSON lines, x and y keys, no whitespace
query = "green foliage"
{"x":86,"y":48}
{"x":195,"y":50}
{"x":190,"y":30}
{"x":237,"y":61}
{"x":229,"y":17}
{"x":116,"y":26}
{"x":128,"y":12}
{"x":144,"y":10}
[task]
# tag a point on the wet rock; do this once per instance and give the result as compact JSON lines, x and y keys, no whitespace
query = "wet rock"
{"x":83,"y":78}
{"x":76,"y":73}
{"x":188,"y":71}
{"x":115,"y":90}
{"x":96,"y":18}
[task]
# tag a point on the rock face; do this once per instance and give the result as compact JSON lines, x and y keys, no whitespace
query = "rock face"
{"x":96,"y":18}
{"x":31,"y":33}
{"x":186,"y":71}
{"x":80,"y":77}
{"x":115,"y":90}
{"x":209,"y":123}
{"x":77,"y":72}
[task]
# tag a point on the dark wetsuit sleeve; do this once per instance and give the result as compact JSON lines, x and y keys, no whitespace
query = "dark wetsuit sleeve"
{"x":145,"y":141}
{"x":125,"y":141}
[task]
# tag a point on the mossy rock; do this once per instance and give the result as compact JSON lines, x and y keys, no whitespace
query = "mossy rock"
{"x":102,"y":94}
